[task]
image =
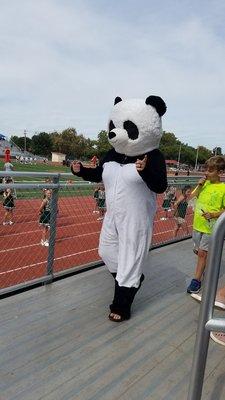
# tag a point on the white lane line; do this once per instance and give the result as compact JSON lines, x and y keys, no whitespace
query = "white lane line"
{"x":170,"y":230}
{"x":44,"y":262}
{"x":59,"y":217}
{"x":58,"y":227}
{"x":57,"y":240}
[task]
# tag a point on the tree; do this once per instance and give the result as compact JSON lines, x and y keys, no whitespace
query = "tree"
{"x":170,"y":146}
{"x":65,"y":141}
{"x":68,"y":141}
{"x":90,"y":148}
{"x":103,"y":144}
{"x":217,"y":151}
{"x":203,"y":154}
{"x":73,"y":145}
{"x":19,"y":141}
{"x":42,"y":144}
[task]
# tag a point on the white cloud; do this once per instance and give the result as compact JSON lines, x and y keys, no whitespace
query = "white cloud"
{"x":63,"y":62}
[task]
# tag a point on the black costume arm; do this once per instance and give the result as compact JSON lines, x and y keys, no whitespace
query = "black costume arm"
{"x":89,"y":174}
{"x":95,"y":174}
{"x":154,"y":174}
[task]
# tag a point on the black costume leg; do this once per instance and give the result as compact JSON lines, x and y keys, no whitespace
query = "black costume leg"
{"x":122,"y":301}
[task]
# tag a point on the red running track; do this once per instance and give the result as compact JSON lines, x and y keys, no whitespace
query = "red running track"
{"x":22,"y":258}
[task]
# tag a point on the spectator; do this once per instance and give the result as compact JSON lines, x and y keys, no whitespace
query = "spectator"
{"x":8,"y":166}
{"x":95,"y":195}
{"x":169,"y":199}
{"x":45,"y":213}
{"x":210,"y":204}
{"x":8,"y":204}
{"x":101,"y":202}
{"x":181,"y":206}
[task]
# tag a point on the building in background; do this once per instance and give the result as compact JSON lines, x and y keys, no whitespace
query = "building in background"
{"x":58,"y":157}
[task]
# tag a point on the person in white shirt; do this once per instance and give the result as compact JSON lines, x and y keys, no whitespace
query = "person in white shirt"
{"x":8,"y":166}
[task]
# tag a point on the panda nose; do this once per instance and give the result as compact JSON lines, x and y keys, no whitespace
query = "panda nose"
{"x":111,"y":135}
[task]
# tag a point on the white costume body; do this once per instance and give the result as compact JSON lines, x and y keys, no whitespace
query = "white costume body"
{"x":127,"y":227}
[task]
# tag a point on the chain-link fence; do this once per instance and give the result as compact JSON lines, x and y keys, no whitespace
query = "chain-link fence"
{"x":51,"y":225}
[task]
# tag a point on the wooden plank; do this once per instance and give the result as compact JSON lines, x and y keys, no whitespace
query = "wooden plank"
{"x":57,"y":343}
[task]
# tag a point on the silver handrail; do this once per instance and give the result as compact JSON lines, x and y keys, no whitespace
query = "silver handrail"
{"x":206,"y":321}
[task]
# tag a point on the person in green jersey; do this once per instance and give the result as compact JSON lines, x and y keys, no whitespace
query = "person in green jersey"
{"x":45,"y":214}
{"x":210,"y":204}
{"x":180,"y":207}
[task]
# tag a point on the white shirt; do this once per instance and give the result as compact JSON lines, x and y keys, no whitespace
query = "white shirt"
{"x":8,"y":166}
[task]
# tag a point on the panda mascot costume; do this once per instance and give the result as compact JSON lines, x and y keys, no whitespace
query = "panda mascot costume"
{"x":133,"y":172}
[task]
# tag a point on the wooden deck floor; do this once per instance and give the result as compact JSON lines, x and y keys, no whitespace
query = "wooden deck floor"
{"x":56,"y":342}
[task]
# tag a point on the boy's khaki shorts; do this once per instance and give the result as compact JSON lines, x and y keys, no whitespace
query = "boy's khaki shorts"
{"x":201,"y":240}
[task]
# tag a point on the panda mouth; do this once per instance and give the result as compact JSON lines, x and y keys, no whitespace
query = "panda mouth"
{"x":113,"y":140}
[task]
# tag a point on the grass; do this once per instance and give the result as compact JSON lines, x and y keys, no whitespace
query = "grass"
{"x":63,"y":192}
{"x":39,"y":167}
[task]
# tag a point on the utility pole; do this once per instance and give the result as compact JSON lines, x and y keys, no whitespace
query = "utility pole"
{"x":25,"y":140}
{"x":196,"y":159}
{"x":178,"y":159}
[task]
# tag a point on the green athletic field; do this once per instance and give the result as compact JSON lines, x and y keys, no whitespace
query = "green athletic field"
{"x":41,"y":167}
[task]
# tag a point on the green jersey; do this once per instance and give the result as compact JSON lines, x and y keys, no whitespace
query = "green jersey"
{"x":210,"y":199}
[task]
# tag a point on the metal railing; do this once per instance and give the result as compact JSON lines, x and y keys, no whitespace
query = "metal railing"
{"x":74,"y":228}
{"x":206,"y":322}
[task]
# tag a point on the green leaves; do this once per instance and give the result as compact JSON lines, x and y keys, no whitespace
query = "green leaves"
{"x":170,"y":146}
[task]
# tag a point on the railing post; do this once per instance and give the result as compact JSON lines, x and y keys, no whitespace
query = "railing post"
{"x":206,"y":310}
{"x":53,"y":223}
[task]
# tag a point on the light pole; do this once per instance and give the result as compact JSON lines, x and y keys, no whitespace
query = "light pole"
{"x":178,"y":158}
{"x":196,"y":159}
{"x":25,"y":140}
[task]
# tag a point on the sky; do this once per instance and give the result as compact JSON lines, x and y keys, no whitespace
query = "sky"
{"x":64,"y":61}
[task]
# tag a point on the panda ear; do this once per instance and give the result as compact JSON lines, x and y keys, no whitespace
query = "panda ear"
{"x":157,"y":103}
{"x":117,"y":100}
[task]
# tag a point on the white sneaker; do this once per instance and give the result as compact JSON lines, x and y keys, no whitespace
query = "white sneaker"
{"x":5,"y":223}
{"x":100,"y":218}
{"x":197,"y":296}
{"x":218,"y":302}
{"x":11,"y":222}
{"x":46,"y":243}
{"x":42,"y":242}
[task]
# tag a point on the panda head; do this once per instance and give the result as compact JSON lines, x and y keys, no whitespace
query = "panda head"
{"x":135,"y":125}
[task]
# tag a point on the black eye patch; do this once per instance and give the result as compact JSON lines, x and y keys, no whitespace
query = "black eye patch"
{"x":111,"y":126}
{"x":131,"y":129}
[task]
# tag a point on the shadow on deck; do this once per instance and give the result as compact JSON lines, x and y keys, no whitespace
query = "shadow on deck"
{"x":56,"y":342}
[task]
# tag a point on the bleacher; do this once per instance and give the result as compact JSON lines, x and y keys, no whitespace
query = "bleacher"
{"x":15,"y":150}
